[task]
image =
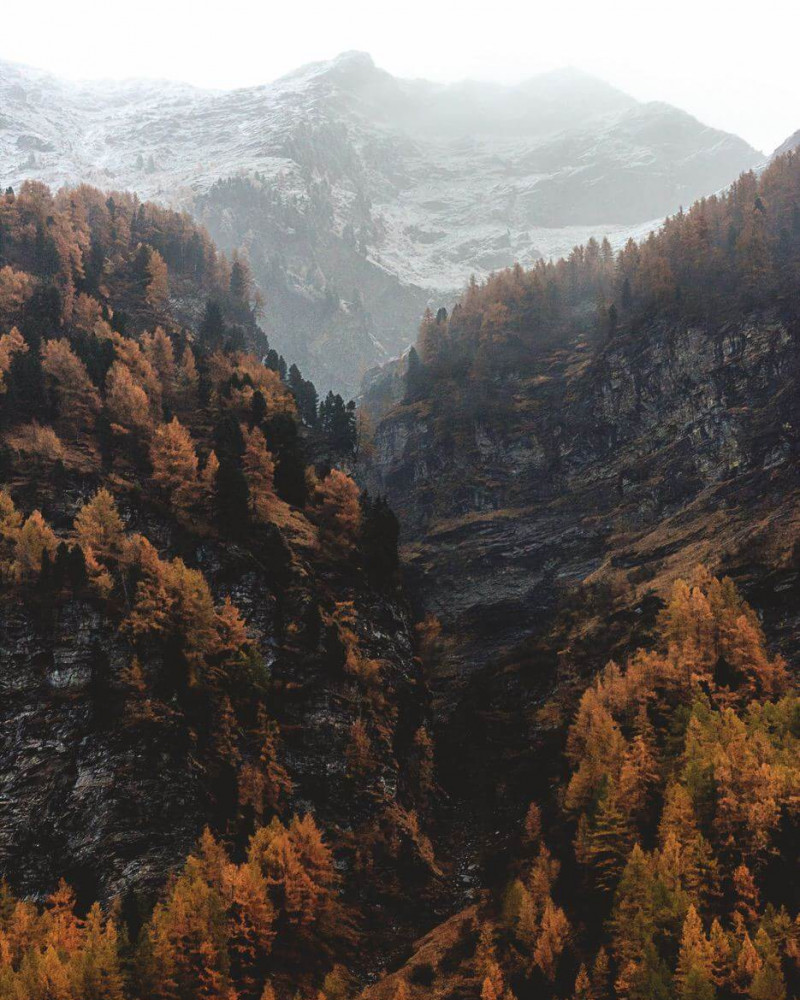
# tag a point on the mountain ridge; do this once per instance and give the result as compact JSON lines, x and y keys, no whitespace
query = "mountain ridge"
{"x":362,"y":198}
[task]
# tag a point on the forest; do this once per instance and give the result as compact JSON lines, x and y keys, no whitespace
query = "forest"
{"x":156,"y":453}
{"x":730,"y":253}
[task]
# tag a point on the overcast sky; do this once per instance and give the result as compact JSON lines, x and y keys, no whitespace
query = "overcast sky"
{"x":733,"y":65}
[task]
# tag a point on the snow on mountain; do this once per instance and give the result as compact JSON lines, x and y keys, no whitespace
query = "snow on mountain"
{"x":793,"y":142}
{"x":362,"y":197}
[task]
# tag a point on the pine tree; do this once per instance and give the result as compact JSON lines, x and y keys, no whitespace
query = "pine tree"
{"x":99,"y":527}
{"x":695,"y":961}
{"x":338,"y":512}
{"x":552,"y":939}
{"x":583,"y":986}
{"x":604,"y":842}
{"x":259,"y":470}
{"x":157,"y":292}
{"x":187,"y":383}
{"x":77,"y":398}
{"x":174,"y":461}
{"x":360,"y":759}
{"x":768,"y":982}
{"x":35,"y":538}
{"x":126,"y":400}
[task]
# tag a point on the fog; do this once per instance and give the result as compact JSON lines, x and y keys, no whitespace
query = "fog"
{"x":731,"y":65}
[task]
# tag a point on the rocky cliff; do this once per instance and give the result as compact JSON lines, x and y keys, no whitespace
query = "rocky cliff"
{"x":548,"y":444}
{"x":593,"y":466}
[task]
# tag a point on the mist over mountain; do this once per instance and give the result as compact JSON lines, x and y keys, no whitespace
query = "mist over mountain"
{"x":481,"y":687}
{"x":362,"y":198}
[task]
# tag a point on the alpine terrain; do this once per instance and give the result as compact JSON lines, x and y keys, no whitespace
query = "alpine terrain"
{"x":484,"y":687}
{"x":360,"y":198}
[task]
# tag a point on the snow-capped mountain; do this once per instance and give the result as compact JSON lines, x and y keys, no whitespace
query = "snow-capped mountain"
{"x":361,"y":197}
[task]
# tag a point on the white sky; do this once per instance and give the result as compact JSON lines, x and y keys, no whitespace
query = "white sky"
{"x":730,"y":63}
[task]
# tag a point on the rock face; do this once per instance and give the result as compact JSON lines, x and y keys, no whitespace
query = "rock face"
{"x":622,"y":465}
{"x":114,"y":808}
{"x":363,"y":198}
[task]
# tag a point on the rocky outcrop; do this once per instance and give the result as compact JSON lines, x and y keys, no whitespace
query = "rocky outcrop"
{"x":115,"y":807}
{"x":621,"y":465}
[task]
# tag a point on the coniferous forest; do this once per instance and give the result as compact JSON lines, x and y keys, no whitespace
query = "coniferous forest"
{"x":481,"y":687}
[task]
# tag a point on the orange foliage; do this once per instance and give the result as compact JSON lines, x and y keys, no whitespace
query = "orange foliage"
{"x":11,"y":343}
{"x":126,"y":399}
{"x":76,"y":396}
{"x":259,"y":469}
{"x":175,"y":464}
{"x":338,"y":512}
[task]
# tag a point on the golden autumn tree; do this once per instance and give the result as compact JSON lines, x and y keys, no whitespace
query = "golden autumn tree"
{"x":98,"y":969}
{"x":157,"y":293}
{"x":359,"y":754}
{"x":76,"y":396}
{"x":552,"y":939}
{"x":251,"y":920}
{"x":159,"y":351}
{"x":174,"y":460}
{"x":15,"y":288}
{"x":64,"y":929}
{"x":11,"y":521}
{"x":299,"y":864}
{"x":264,"y":784}
{"x":338,"y":511}
{"x":86,"y":313}
{"x":187,"y":382}
{"x":11,"y":344}
{"x":35,"y":539}
{"x":100,"y":529}
{"x":186,"y":937}
{"x":695,"y":960}
{"x":127,"y":401}
{"x":259,"y":469}
{"x":38,"y":443}
{"x":208,"y":483}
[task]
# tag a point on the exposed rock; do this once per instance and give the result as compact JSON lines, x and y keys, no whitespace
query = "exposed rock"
{"x":662,"y":449}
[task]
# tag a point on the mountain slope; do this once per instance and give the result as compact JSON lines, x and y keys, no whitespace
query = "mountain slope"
{"x":360,"y":197}
{"x":196,"y":629}
{"x":563,"y":450}
{"x":546,"y":442}
{"x":198,"y":625}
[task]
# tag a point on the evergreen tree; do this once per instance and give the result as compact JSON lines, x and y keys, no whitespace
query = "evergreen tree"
{"x":415,"y":377}
{"x":380,"y":534}
{"x":286,"y":446}
{"x":212,"y":328}
{"x":231,"y":493}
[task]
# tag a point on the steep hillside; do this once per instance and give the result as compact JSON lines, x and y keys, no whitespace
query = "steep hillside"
{"x":360,"y":197}
{"x":575,"y":776}
{"x":661,"y":860}
{"x":198,"y":627}
{"x":563,"y":450}
{"x":545,"y":441}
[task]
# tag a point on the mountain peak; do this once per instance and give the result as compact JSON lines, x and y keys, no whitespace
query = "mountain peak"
{"x":353,"y":58}
{"x":352,"y":66}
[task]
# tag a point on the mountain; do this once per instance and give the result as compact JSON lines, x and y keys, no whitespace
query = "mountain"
{"x":196,"y":629}
{"x":788,"y":144}
{"x":551,"y":755}
{"x":362,"y":198}
{"x":536,"y":443}
{"x":578,"y":454}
